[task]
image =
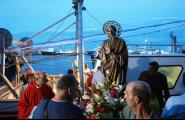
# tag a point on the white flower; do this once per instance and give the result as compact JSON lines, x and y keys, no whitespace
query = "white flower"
{"x":97,"y":97}
{"x":122,"y":100}
{"x":89,"y":108}
{"x":120,"y":88}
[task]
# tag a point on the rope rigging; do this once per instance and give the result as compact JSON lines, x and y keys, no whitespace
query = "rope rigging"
{"x":145,"y":33}
{"x":49,"y":40}
{"x":46,"y":59}
{"x":58,"y":27}
{"x":96,"y":38}
{"x":40,"y":60}
{"x":157,"y":25}
{"x":90,"y":37}
{"x":156,"y":31}
{"x":139,"y":28}
{"x":61,"y":32}
{"x":94,"y":18}
{"x":37,"y":34}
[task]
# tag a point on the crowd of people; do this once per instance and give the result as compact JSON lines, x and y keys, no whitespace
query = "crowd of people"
{"x":38,"y":101}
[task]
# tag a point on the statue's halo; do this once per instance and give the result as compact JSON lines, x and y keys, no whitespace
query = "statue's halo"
{"x":114,"y":23}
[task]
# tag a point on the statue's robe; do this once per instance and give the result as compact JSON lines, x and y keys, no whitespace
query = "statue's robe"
{"x":114,"y":60}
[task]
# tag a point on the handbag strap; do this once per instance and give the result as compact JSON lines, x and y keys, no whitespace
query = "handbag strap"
{"x":46,"y":109}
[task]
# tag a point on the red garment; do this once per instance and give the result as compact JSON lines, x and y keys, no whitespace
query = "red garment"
{"x":89,"y":81}
{"x":31,"y":97}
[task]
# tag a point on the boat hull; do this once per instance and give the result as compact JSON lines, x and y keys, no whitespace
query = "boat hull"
{"x":49,"y":53}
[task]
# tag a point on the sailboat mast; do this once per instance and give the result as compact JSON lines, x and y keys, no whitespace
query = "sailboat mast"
{"x":80,"y":43}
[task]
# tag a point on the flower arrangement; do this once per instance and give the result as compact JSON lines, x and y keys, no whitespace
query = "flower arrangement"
{"x":107,"y":99}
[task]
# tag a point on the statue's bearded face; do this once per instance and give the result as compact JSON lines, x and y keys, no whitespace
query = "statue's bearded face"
{"x":111,"y":31}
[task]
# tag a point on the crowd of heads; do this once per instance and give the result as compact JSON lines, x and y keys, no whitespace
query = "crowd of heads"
{"x":137,"y":93}
{"x":30,"y":76}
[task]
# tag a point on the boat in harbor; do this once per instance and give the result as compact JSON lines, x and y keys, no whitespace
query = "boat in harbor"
{"x":53,"y":51}
{"x":49,"y":51}
{"x":171,"y":62}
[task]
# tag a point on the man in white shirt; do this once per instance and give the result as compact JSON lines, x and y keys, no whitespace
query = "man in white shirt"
{"x":98,"y":76}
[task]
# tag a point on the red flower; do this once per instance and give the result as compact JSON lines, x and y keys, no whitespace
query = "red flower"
{"x":87,"y":101}
{"x":114,"y":92}
{"x":100,"y":108}
{"x":93,"y":116}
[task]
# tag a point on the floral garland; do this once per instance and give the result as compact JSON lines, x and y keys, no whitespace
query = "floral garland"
{"x":107,"y":99}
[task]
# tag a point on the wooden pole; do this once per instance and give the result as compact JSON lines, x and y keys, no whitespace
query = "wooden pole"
{"x":11,"y":88}
{"x":24,"y":59}
{"x":3,"y":58}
